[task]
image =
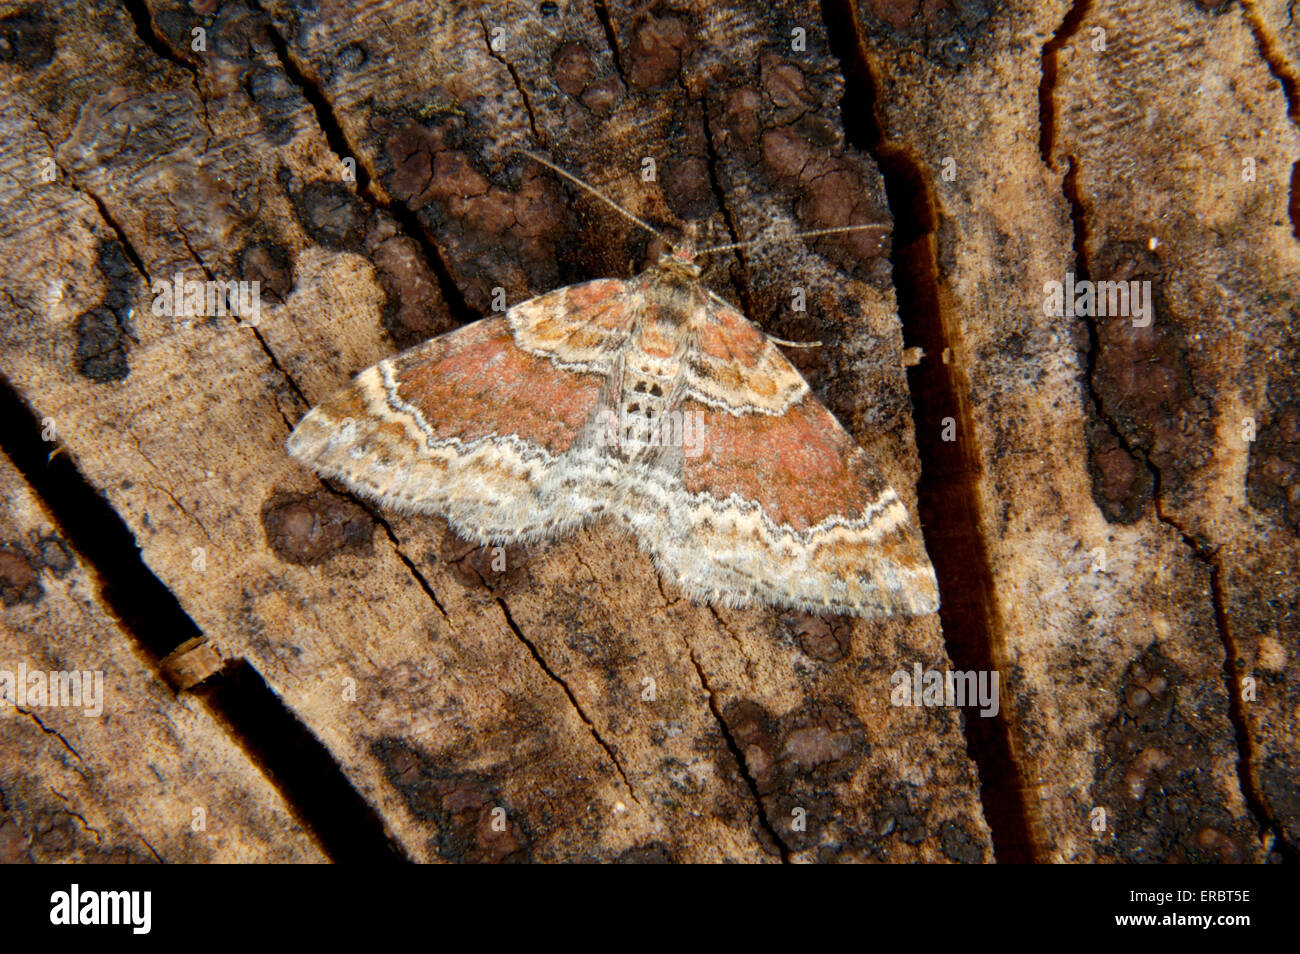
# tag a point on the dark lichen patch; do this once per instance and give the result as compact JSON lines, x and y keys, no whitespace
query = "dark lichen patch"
{"x":104,"y":332}
{"x":27,"y":38}
{"x":495,"y":568}
{"x":959,"y":843}
{"x":332,"y":215}
{"x":1141,"y":374}
{"x":829,"y":191}
{"x":52,"y":553}
{"x":277,"y":100}
{"x":1121,"y":480}
{"x":20,"y":580}
{"x":474,"y":822}
{"x":945,"y":31}
{"x":414,"y":309}
{"x":660,"y":45}
{"x":268,"y":264}
{"x":500,"y":226}
{"x":826,"y":639}
{"x":1154,"y":773}
{"x":307,"y":529}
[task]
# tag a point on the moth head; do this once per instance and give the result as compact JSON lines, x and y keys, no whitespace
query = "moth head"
{"x":679,"y":263}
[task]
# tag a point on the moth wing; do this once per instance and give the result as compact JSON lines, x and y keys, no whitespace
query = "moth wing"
{"x":475,"y":427}
{"x":776,"y":502}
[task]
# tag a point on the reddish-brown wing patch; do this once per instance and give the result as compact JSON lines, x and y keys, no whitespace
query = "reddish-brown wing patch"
{"x":475,"y":382}
{"x":801,"y":466}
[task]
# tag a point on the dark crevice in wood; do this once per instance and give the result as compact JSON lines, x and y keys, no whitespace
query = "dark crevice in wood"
{"x":1265,"y":820}
{"x":611,"y":37}
{"x":150,"y":613}
{"x":514,"y":78}
{"x":1047,"y":84}
{"x":948,"y":490}
{"x":118,"y":232}
{"x":564,"y":687}
{"x":337,"y":140}
{"x":739,"y":756}
{"x":139,"y":600}
{"x":300,"y":766}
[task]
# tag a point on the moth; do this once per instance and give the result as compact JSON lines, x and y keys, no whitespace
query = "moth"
{"x":650,"y":401}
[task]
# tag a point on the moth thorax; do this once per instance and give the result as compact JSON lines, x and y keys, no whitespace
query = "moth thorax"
{"x":643,"y":404}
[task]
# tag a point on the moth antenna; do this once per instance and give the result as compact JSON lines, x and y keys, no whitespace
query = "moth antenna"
{"x":795,"y":344}
{"x":598,"y":194}
{"x":787,"y":238}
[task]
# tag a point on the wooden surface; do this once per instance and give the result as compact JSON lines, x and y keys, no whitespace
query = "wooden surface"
{"x":570,"y":707}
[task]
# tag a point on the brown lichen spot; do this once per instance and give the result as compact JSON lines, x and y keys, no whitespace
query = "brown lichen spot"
{"x":687,"y":187}
{"x":1273,"y":478}
{"x":741,"y":122}
{"x":786,"y":87}
{"x":1121,"y":482}
{"x":1152,"y":773}
{"x":307,"y":529}
{"x":495,"y":568}
{"x":267,"y":263}
{"x":414,"y":309}
{"x":13,"y":843}
{"x":573,"y":68}
{"x":603,"y":95}
{"x":659,"y":45}
{"x":958,"y":842}
{"x":474,"y":823}
{"x":27,"y":38}
{"x":822,"y":742}
{"x":331,"y":215}
{"x":753,"y":731}
{"x":409,"y":149}
{"x":20,"y":581}
{"x":824,"y":639}
{"x":1141,"y":375}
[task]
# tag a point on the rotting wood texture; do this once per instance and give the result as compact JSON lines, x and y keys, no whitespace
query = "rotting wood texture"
{"x":1113,"y":509}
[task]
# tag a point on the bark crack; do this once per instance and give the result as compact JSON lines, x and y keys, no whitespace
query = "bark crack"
{"x":514,"y":76}
{"x":760,"y":810}
{"x":611,"y":38}
{"x":147,"y":31}
{"x":339,"y":144}
{"x":573,"y":700}
{"x":948,"y":490}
